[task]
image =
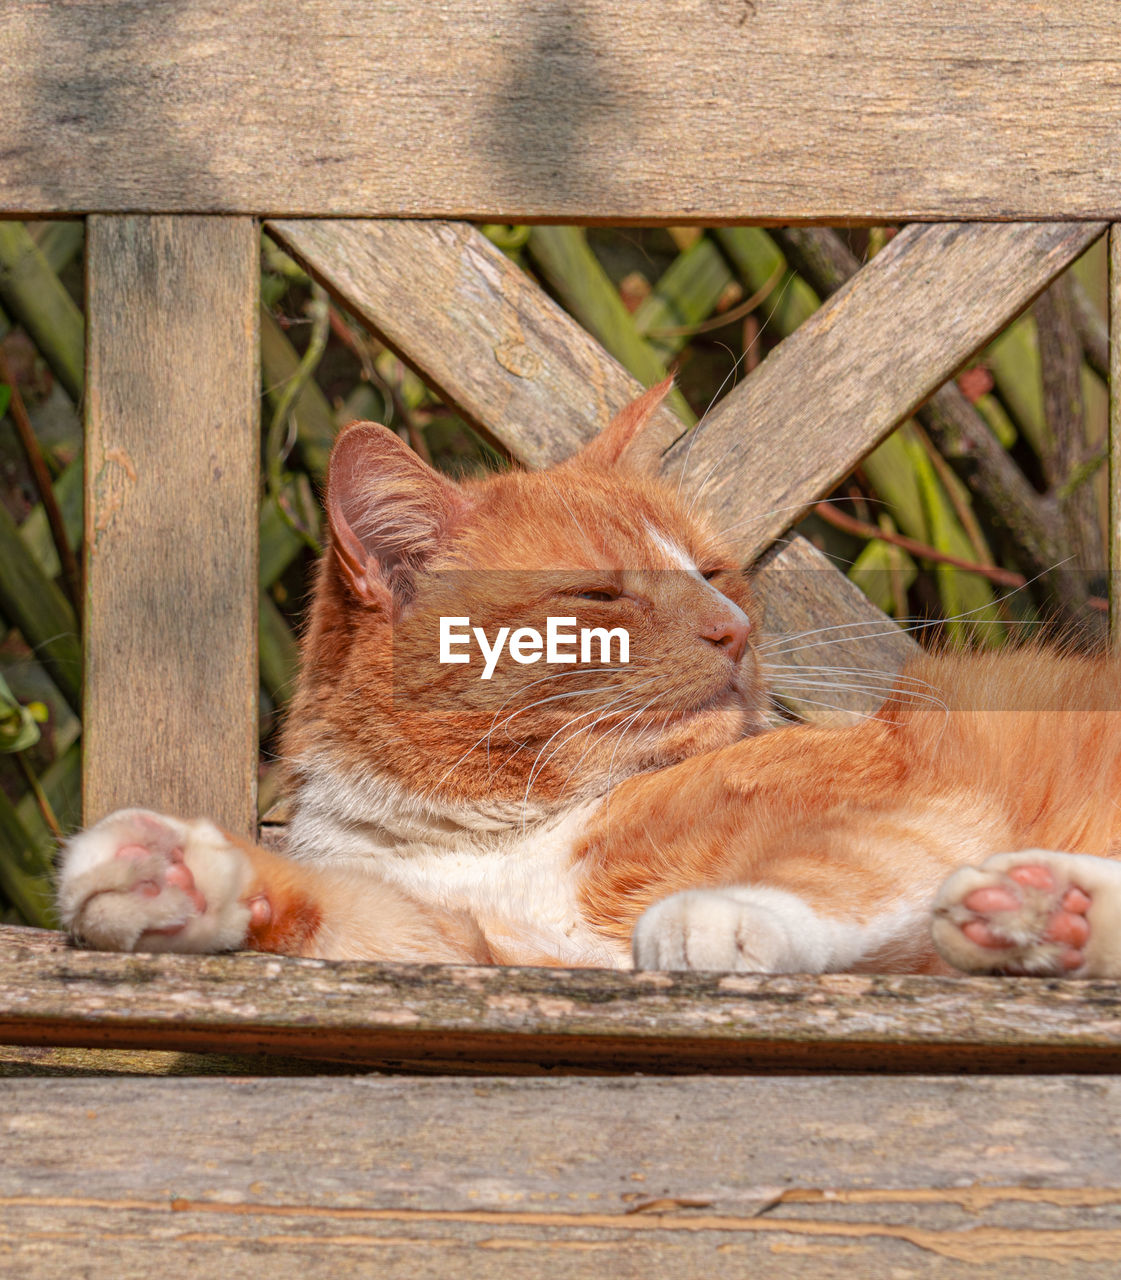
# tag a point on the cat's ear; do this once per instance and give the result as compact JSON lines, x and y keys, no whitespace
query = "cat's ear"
{"x":625,"y":440}
{"x":387,"y":509}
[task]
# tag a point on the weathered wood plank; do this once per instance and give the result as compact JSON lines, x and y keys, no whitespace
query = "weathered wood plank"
{"x":473,"y":324}
{"x":430,"y":1018}
{"x":886,"y":110}
{"x":171,"y":517}
{"x":674,"y":1178}
{"x":859,"y":366}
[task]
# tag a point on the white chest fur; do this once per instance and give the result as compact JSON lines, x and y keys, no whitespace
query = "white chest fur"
{"x":518,"y":880}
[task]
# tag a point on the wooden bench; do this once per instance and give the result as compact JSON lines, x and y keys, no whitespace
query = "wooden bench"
{"x":333,"y":1117}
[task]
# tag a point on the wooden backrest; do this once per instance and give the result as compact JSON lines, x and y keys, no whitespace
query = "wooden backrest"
{"x":364,"y":135}
{"x":701,"y":111}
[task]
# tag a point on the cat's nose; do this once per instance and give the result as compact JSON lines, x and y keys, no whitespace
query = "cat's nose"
{"x":730,"y":634}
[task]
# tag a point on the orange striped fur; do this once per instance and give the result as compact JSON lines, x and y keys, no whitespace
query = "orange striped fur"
{"x":534,"y":818}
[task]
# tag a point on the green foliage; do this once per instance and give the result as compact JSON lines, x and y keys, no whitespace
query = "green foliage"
{"x":19,"y":724}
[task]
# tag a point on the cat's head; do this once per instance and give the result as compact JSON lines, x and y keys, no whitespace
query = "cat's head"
{"x":597,"y":540}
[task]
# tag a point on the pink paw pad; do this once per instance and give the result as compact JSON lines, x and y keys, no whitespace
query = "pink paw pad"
{"x":997,"y":906}
{"x":169,"y":870}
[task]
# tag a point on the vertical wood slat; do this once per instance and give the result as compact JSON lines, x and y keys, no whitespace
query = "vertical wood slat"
{"x":171,"y":517}
{"x":1114,"y":525}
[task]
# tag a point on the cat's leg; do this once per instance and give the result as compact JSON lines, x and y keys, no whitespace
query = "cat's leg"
{"x":1032,"y":912}
{"x":141,"y":881}
{"x":762,"y":929}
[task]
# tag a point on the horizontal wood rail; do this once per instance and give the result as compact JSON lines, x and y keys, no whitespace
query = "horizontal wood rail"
{"x":429,"y":1018}
{"x":497,"y":1179}
{"x":695,"y":111}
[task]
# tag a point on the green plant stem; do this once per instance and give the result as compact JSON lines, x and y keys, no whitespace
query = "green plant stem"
{"x":277,"y":446}
{"x":71,"y":574}
{"x":684,"y":296}
{"x":1092,"y":330}
{"x":315,"y":423}
{"x":25,"y":868}
{"x":279,"y":653}
{"x":33,"y":603}
{"x":849,"y":524}
{"x":41,"y":801}
{"x":35,"y":298}
{"x":59,"y":242}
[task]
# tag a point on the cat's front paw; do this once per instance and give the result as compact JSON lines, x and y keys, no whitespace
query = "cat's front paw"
{"x":752,"y":930}
{"x":1032,"y":912}
{"x":140,"y":881}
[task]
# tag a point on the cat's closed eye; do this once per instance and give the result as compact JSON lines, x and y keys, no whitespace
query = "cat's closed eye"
{"x":597,"y":593}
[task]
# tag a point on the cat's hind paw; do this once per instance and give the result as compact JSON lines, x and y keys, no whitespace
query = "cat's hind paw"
{"x":1032,"y":912}
{"x":140,"y":881}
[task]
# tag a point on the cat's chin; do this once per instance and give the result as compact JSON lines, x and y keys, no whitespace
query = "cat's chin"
{"x":726,"y":717}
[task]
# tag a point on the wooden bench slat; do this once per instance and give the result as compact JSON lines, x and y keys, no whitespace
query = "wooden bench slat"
{"x":791,"y":1177}
{"x":513,"y":362}
{"x":429,"y":1018}
{"x":171,"y":517}
{"x":474,"y":325}
{"x":703,"y":110}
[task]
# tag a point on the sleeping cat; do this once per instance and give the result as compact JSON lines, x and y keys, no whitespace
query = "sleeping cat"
{"x":611,"y":813}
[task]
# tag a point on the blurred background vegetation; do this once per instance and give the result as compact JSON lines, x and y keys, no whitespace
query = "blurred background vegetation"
{"x":959,"y":518}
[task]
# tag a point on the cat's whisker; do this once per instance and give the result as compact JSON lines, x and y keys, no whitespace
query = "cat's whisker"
{"x":832,"y":706}
{"x":611,"y":707}
{"x":780,"y":669}
{"x":886,"y":678}
{"x":921,"y":624}
{"x":586,"y":729}
{"x":556,"y":675}
{"x":789,"y":688}
{"x":611,"y":762}
{"x":567,"y":506}
{"x":593,"y":741}
{"x":619,"y":729}
{"x":574,"y":693}
{"x":556,"y":697}
{"x":534,"y":770}
{"x":731,"y":374}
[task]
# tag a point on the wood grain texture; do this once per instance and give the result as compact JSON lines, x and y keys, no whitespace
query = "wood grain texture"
{"x":857,"y":367}
{"x":475,"y":325}
{"x":706,"y":110}
{"x":313,"y":1179}
{"x":439,"y":1019}
{"x":171,"y":517}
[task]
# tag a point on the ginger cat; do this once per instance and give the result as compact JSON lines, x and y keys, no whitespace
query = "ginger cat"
{"x":614,"y":813}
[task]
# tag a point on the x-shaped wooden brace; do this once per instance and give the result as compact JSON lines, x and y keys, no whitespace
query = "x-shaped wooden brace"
{"x":512,"y":361}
